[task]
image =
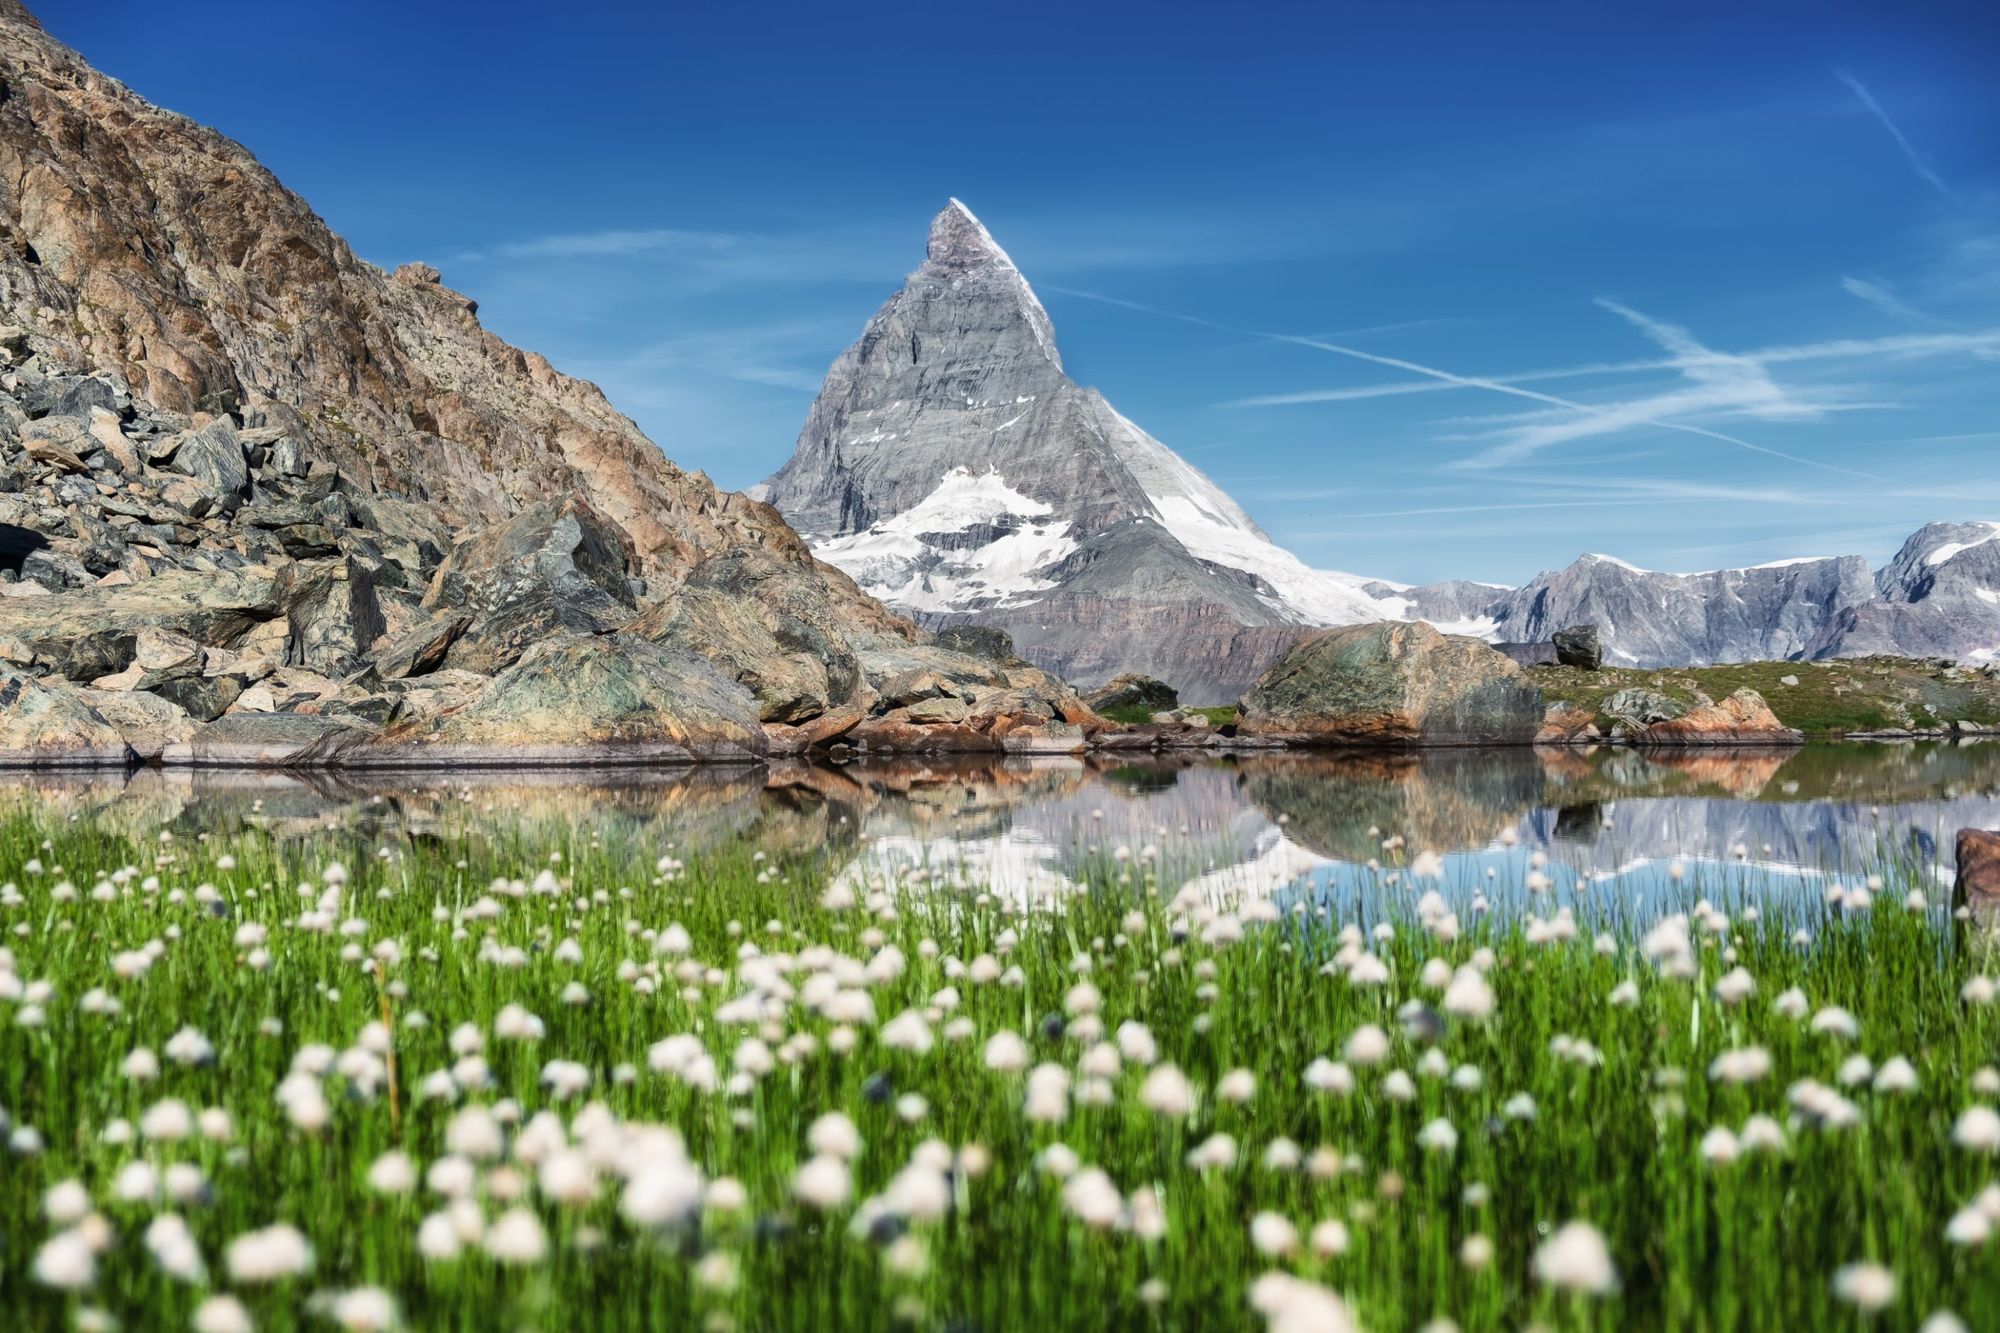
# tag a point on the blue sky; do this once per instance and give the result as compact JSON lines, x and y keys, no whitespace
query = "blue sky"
{"x":1696,"y":285}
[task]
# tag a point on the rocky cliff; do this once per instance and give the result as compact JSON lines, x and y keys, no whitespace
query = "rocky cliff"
{"x":323,"y":490}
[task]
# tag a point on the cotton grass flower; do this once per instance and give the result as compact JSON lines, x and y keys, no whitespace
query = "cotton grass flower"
{"x":1576,"y":1258}
{"x":1867,"y":1287}
{"x":1167,"y":1092}
{"x":1438,"y":1137}
{"x":392,"y":1173}
{"x":66,"y":1262}
{"x":270,"y":1255}
{"x":222,"y":1314}
{"x":1292,"y":1305}
{"x":1977,"y":1130}
{"x":1745,"y":1064}
{"x":1273,"y":1235}
{"x":822,"y":1183}
{"x":516,"y":1237}
{"x":834,"y":1135}
{"x":1969,"y":1226}
{"x":1469,"y":996}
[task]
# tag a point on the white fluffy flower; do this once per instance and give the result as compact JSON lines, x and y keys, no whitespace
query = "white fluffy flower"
{"x":1576,"y":1258}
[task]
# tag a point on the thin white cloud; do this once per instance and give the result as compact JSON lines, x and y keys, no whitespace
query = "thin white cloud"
{"x":1472,"y":382}
{"x":1879,"y":295}
{"x":1910,"y":154}
{"x":1904,"y":345}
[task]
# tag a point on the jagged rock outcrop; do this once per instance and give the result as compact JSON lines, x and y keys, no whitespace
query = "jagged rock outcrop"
{"x":1393,"y":685}
{"x":952,"y":466}
{"x":356,"y":504}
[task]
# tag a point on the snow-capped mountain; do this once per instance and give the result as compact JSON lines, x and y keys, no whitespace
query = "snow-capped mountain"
{"x":954,"y":470}
{"x":957,"y":473}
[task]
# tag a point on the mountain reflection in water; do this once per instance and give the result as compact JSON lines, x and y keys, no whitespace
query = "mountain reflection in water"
{"x":1038,"y":828}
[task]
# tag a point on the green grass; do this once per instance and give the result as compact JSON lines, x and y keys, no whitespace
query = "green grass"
{"x":1828,"y":698}
{"x":1750,"y":1245}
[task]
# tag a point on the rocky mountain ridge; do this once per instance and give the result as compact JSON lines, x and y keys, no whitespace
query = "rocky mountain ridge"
{"x":266,"y":502}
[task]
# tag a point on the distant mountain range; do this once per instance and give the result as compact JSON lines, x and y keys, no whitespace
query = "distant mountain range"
{"x":958,"y":474}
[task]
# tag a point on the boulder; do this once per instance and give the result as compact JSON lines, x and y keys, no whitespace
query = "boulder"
{"x":1978,"y":867}
{"x":50,"y":726}
{"x":1634,"y":709}
{"x":1134,"y":691}
{"x":1392,"y":684}
{"x":1741,"y":719}
{"x":584,"y":700}
{"x":1579,"y":646}
{"x":421,"y":649}
{"x":1566,"y":724}
{"x":165,"y":651}
{"x":203,"y":698}
{"x":794,"y":606}
{"x":1043,"y":738}
{"x":554,"y":568}
{"x":990,"y":642}
{"x":213,"y":456}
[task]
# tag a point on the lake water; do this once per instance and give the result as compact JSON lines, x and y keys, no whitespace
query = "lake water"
{"x":1613,"y":824}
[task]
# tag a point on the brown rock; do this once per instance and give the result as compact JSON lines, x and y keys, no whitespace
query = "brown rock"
{"x":1978,"y":867}
{"x":50,"y":726}
{"x":1741,"y":719}
{"x":1566,"y":724}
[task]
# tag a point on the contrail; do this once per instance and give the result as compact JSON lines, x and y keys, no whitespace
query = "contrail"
{"x":1449,"y":377}
{"x":1916,"y":160}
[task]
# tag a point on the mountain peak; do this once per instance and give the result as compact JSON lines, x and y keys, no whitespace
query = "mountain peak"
{"x":959,"y":241}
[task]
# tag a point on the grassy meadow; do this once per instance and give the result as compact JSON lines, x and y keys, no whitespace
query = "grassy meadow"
{"x":477,"y":1081}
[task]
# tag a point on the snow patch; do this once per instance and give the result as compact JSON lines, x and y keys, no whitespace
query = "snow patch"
{"x":1939,"y":555}
{"x":891,"y":560}
{"x":1212,"y":527}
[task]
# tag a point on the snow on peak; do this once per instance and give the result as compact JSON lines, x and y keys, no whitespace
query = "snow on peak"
{"x":1614,"y":560}
{"x":1938,"y":555}
{"x":1212,"y":527}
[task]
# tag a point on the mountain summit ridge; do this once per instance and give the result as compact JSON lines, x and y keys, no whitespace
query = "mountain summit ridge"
{"x":953,"y":468}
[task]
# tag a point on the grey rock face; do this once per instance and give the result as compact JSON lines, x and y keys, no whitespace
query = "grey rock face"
{"x":214,"y":456}
{"x":587,"y":699}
